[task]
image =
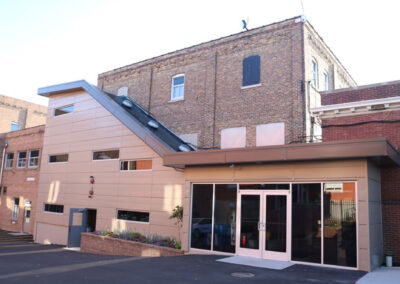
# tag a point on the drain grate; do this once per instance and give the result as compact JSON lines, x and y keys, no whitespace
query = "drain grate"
{"x":242,"y":274}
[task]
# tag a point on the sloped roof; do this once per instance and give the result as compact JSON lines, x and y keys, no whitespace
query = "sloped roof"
{"x":155,"y":135}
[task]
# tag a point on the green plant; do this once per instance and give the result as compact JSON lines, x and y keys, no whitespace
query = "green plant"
{"x":177,"y":214}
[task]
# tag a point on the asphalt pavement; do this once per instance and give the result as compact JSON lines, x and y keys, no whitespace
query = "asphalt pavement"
{"x":22,"y":261}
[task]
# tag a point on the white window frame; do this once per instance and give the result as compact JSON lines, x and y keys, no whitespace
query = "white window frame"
{"x":315,"y":73}
{"x":21,"y":159}
{"x":15,"y":210}
{"x":37,"y":158}
{"x":174,"y":86}
{"x":6,"y":161}
{"x":326,"y":81}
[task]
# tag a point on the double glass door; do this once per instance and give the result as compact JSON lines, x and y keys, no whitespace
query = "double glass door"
{"x":264,"y":219}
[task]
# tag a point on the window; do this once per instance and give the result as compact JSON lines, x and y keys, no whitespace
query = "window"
{"x":233,"y":137}
{"x":9,"y":160}
{"x":251,"y":70}
{"x":54,"y":208}
{"x":326,"y":81}
{"x":62,"y":158}
{"x":63,"y":110}
{"x":178,"y":86}
{"x":106,"y":155}
{"x":14,"y":126}
{"x":15,"y":209}
{"x":33,"y":159}
{"x":133,"y":216}
{"x":21,"y":160}
{"x":315,"y":74}
{"x":136,"y":165}
{"x":270,"y":134}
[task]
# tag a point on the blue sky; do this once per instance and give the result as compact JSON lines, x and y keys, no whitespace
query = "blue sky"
{"x":49,"y":42}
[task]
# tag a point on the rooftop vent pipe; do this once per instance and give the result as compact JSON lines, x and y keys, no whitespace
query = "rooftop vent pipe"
{"x":127,"y":103}
{"x":184,"y":148}
{"x":153,"y":124}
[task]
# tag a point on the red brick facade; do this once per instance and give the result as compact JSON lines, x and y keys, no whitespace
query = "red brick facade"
{"x":20,"y":182}
{"x":370,"y":125}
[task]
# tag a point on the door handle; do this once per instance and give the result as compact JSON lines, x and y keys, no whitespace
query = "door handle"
{"x":258,"y":226}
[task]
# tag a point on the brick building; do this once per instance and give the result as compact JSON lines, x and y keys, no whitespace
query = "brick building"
{"x":259,"y":81}
{"x":18,"y":114}
{"x":369,"y":111}
{"x":20,"y":178}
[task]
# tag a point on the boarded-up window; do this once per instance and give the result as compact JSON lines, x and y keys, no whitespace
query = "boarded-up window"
{"x":270,"y":134}
{"x":233,"y":137}
{"x":251,"y":70}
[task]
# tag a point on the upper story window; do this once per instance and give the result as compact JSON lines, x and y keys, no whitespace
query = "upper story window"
{"x":251,"y":71}
{"x":63,"y":110}
{"x":326,"y":81}
{"x":178,"y":87}
{"x":106,"y":155}
{"x":33,"y":159}
{"x":21,"y":160}
{"x":315,"y":73}
{"x":136,"y":165}
{"x":14,"y":126}
{"x":61,"y":158}
{"x":9,"y":160}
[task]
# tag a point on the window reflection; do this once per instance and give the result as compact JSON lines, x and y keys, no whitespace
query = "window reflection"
{"x":340,"y":245}
{"x":201,"y":216}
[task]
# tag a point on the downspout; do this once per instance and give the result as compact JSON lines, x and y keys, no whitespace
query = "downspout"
{"x":2,"y":164}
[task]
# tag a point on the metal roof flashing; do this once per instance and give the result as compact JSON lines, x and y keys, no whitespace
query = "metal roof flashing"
{"x":160,"y":139}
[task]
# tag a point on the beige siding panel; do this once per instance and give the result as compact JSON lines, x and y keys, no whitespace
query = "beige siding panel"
{"x":51,"y":234}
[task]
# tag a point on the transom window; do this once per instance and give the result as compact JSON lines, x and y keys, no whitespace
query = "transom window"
{"x":21,"y":160}
{"x":9,"y":160}
{"x":54,"y":208}
{"x":33,"y":158}
{"x":61,"y":158}
{"x":178,"y":87}
{"x":251,"y":70}
{"x":63,"y":110}
{"x":106,"y":155}
{"x":133,"y":216}
{"x":136,"y":165}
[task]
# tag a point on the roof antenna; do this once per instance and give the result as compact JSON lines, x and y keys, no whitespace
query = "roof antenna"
{"x":303,"y":16}
{"x":245,"y":23}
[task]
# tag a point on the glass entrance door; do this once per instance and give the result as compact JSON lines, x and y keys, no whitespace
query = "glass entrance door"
{"x":264,"y":224}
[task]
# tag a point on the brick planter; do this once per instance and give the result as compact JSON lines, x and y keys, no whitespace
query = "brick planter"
{"x":91,"y":243}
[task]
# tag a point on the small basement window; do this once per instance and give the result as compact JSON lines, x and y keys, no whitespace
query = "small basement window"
{"x":133,"y":216}
{"x":33,"y":158}
{"x":106,"y":155}
{"x":251,"y":70}
{"x":9,"y":160}
{"x":21,"y":160}
{"x":62,"y":158}
{"x":136,"y":165}
{"x":63,"y":110}
{"x":54,"y":208}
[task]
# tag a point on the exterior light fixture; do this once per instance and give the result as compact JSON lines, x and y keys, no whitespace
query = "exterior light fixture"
{"x":91,"y":191}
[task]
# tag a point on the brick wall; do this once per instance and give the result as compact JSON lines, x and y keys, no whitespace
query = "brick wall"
{"x":16,"y":179}
{"x":213,"y":80}
{"x":390,"y":177}
{"x":369,"y":92}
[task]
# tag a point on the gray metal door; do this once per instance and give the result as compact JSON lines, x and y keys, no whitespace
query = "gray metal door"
{"x":77,"y":225}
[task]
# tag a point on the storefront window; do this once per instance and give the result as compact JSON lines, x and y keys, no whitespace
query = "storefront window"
{"x":340,"y":241}
{"x":225,"y":217}
{"x":306,"y":222}
{"x":202,"y":216}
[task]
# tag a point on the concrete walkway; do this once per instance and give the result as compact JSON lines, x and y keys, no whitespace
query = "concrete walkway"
{"x":383,"y":275}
